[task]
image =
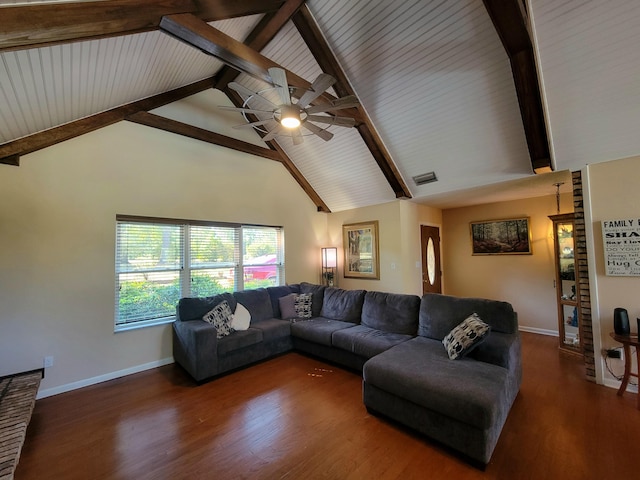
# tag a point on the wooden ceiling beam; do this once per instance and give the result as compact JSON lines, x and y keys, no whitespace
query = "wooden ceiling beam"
{"x":10,"y":151}
{"x":13,"y":160}
{"x":320,"y":49}
{"x":264,"y":32}
{"x":197,"y":133}
{"x":29,"y":26}
{"x":510,"y":21}
{"x":212,"y":41}
{"x":284,"y":158}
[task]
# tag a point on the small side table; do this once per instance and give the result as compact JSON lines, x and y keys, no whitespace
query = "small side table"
{"x":627,"y":342}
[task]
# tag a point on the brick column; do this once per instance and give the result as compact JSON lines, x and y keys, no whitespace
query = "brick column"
{"x":583,"y":277}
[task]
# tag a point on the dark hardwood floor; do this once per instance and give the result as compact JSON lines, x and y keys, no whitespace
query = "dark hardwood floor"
{"x":295,"y":417}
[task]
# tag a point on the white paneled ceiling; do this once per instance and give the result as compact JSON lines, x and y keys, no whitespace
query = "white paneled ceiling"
{"x":437,"y":84}
{"x":589,"y":53}
{"x":432,"y":75}
{"x":49,"y":86}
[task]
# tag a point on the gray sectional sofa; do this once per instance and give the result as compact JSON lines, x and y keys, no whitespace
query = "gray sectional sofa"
{"x":395,"y":340}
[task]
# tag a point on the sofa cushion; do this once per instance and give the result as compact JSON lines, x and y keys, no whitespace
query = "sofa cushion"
{"x":391,"y":312}
{"x":317,"y":296}
{"x":318,"y":330}
{"x":288,"y":306}
{"x":273,"y":328}
{"x":275,"y":293}
{"x":195,"y":308}
{"x":240,"y":339}
{"x":419,"y":370}
{"x":241,"y":318}
{"x":365,"y":341}
{"x":220,"y":317}
{"x":466,"y":336}
{"x":342,"y":305}
{"x":439,"y":314}
{"x":257,"y":302}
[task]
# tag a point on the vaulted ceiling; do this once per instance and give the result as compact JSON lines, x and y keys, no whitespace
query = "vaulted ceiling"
{"x":480,"y":92}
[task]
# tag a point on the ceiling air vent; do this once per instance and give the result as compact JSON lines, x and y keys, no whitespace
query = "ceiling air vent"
{"x":425,"y":178}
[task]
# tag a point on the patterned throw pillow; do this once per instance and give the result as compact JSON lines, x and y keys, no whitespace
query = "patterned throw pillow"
{"x":302,"y":305}
{"x":466,"y":336}
{"x":220,"y":317}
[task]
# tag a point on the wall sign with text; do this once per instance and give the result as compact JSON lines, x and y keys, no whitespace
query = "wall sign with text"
{"x":621,"y":239}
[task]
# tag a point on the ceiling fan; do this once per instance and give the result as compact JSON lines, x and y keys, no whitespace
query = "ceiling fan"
{"x":275,"y":114}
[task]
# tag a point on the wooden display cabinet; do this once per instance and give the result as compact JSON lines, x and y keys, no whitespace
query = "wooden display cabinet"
{"x":567,"y":286}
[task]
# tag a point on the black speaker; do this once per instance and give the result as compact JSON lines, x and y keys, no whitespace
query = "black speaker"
{"x":621,"y":321}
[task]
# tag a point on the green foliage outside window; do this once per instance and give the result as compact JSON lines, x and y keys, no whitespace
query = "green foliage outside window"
{"x":148,"y":300}
{"x":144,"y":299}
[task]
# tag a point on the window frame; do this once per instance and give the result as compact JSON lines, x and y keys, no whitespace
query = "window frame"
{"x":187,"y":269}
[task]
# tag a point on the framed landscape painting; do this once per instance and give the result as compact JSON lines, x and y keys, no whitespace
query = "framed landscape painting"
{"x":501,"y":237}
{"x":360,"y":242}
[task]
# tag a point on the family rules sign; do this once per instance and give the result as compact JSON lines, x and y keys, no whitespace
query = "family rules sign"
{"x":621,"y":239}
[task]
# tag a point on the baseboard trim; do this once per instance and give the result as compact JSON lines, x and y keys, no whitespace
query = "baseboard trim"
{"x":612,"y":383}
{"x":103,"y":378}
{"x":539,"y":331}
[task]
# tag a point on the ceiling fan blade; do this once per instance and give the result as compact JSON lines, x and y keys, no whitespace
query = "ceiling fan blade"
{"x":254,"y":124}
{"x":323,"y":134}
{"x":318,"y":87}
{"x":250,"y":93}
{"x":298,"y":92}
{"x":296,"y":136}
{"x":245,"y":110}
{"x":338,"y":121}
{"x":279,"y":78}
{"x":338,"y":104}
{"x":273,"y":133}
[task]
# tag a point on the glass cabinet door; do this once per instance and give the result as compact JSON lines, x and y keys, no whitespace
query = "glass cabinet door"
{"x":566,"y":284}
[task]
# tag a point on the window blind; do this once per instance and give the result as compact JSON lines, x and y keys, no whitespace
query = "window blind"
{"x":158,"y":261}
{"x":149,"y":262}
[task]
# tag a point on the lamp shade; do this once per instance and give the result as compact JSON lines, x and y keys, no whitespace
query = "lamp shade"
{"x":329,"y":257}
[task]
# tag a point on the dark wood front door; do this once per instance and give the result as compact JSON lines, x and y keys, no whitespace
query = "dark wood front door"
{"x":431,"y":274}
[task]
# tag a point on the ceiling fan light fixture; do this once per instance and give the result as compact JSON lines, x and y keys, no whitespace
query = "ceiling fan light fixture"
{"x":289,"y":117}
{"x":295,"y":120}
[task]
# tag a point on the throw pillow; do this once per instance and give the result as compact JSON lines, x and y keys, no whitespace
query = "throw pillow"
{"x":302,"y":305}
{"x":466,"y":336}
{"x":220,"y":317}
{"x":287,"y":306}
{"x":241,"y":318}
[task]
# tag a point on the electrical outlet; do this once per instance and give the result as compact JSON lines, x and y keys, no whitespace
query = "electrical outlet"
{"x":613,"y":353}
{"x":48,"y":361}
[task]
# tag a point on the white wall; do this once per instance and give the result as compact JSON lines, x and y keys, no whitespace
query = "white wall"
{"x":57,"y":240}
{"x":612,"y":194}
{"x":399,"y":236}
{"x":526,"y":281}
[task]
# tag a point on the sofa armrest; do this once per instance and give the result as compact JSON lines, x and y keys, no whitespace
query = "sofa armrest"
{"x":195,"y":347}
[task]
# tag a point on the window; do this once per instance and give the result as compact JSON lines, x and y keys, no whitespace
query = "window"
{"x":158,"y":261}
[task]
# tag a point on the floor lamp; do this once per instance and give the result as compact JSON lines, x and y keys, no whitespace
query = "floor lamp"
{"x":329,"y":266}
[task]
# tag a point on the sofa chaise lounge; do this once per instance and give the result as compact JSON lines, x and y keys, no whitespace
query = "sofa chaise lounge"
{"x":394,"y":340}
